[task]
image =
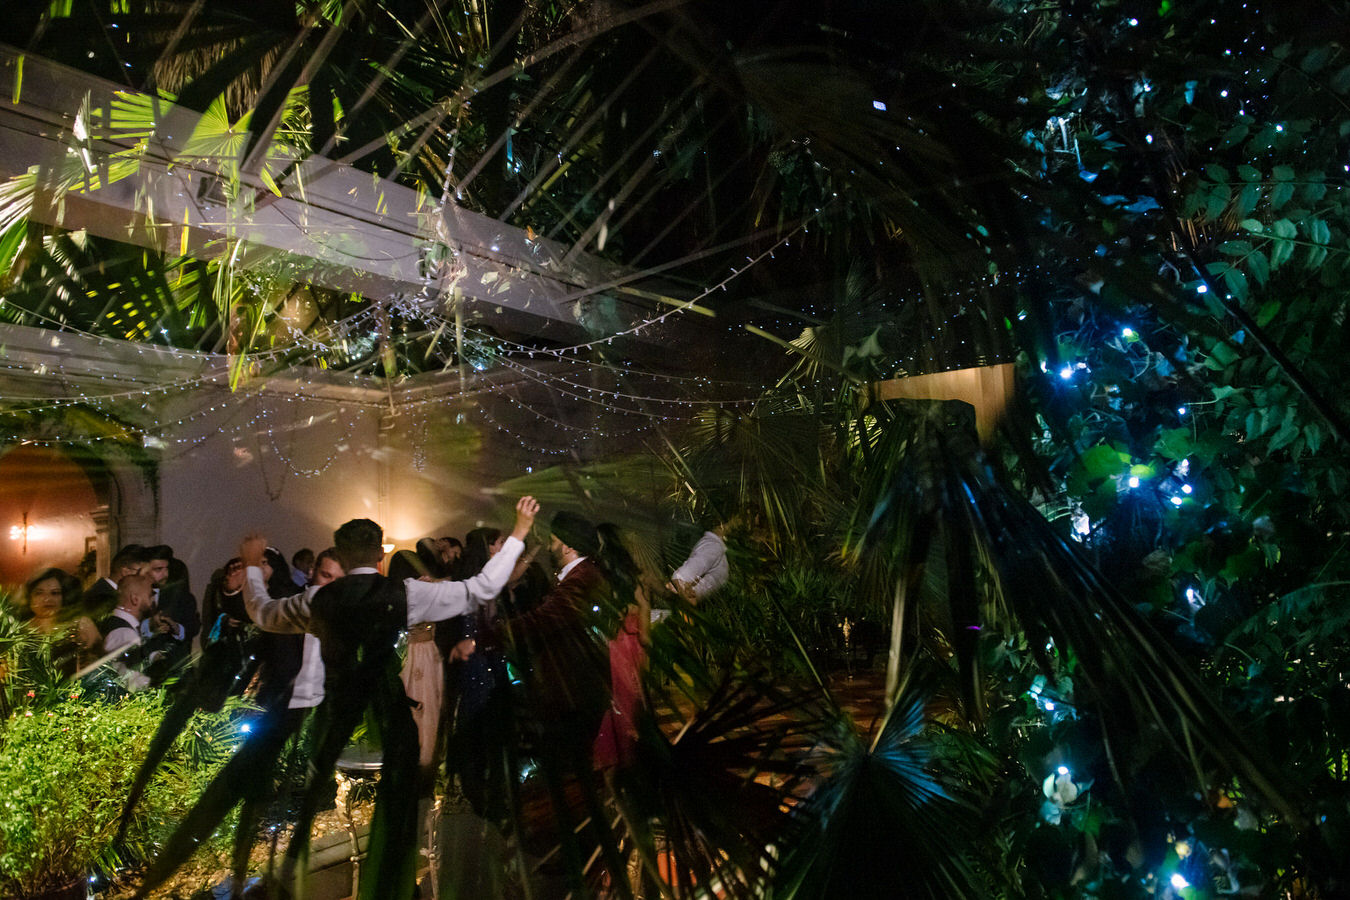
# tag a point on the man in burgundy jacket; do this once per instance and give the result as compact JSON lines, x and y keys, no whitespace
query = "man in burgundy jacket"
{"x":567,"y":686}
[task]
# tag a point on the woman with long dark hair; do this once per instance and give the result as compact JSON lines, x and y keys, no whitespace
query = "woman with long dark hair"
{"x":51,"y":601}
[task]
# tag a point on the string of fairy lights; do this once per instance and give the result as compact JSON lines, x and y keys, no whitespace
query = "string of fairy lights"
{"x":213,"y":398}
{"x":226,"y":416}
{"x":592,"y":381}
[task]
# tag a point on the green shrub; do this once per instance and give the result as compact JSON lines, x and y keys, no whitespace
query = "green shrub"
{"x":67,"y":763}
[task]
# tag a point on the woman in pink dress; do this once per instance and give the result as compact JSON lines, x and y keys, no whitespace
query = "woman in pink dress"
{"x":617,"y":739}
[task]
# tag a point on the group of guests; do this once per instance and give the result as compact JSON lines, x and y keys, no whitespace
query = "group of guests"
{"x":141,"y":618}
{"x":502,"y":650}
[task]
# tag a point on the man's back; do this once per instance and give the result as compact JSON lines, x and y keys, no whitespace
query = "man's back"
{"x":358,"y":616}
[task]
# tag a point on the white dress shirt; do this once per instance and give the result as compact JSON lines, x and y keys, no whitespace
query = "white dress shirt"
{"x":428,"y":601}
{"x":562,"y":573}
{"x":706,"y":569}
{"x":123,"y":637}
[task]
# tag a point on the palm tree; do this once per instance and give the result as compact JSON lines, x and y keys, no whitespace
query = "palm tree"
{"x":900,"y":142}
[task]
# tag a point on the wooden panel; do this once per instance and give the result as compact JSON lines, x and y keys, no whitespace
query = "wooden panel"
{"x":987,"y":388}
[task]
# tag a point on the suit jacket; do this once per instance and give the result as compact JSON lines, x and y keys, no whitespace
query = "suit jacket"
{"x":177,"y":602}
{"x":357,"y":619}
{"x":568,"y":670}
{"x":100,"y":599}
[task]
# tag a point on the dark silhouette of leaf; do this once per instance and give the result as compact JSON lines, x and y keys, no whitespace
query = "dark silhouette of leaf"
{"x":1042,"y":584}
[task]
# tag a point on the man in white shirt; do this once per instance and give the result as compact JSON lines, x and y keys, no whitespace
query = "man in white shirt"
{"x":350,"y":650}
{"x":705,"y":570}
{"x":357,"y":619}
{"x":428,"y":601}
{"x":307,"y":691}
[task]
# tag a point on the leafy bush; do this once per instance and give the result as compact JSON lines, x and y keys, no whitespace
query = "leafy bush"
{"x":67,"y":762}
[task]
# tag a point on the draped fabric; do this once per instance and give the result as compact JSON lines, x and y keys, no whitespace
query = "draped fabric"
{"x":615,"y":744}
{"x":423,"y":679}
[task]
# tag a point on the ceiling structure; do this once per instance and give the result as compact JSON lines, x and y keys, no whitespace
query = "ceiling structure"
{"x":338,"y":227}
{"x":589,"y":355}
{"x":623,"y":211}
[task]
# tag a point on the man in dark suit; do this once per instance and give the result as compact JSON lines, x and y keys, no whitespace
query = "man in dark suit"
{"x":566,"y":687}
{"x":175,"y":606}
{"x":101,"y":597}
{"x":568,"y":683}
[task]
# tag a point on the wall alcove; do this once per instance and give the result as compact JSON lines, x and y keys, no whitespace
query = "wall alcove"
{"x":59,"y":503}
{"x":50,"y":505}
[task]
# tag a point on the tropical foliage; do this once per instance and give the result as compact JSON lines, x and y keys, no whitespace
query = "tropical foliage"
{"x":68,"y":757}
{"x":1115,"y":658}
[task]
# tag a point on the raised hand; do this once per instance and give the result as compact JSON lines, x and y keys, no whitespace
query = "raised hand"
{"x":251,"y":549}
{"x":526,"y":509}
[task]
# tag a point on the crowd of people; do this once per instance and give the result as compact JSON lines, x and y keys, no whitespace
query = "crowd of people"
{"x":479,"y":615}
{"x":141,"y":618}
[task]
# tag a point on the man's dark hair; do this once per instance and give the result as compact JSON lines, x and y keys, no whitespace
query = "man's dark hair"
{"x":330,"y":553}
{"x":453,"y":542}
{"x":159,"y":551}
{"x":303,"y":558}
{"x":359,"y":542}
{"x":129,"y":556}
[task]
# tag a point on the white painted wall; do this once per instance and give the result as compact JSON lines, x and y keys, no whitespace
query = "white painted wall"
{"x":297,"y":468}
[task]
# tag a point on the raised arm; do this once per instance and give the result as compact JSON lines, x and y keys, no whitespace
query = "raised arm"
{"x":286,"y":615}
{"x":436,"y":600}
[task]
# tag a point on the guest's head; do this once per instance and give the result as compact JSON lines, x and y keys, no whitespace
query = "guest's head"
{"x":429,"y":554}
{"x":614,"y":557}
{"x":45,"y":594}
{"x":135,"y":594}
{"x":232,"y":576}
{"x":573,"y":536}
{"x":327,"y":567}
{"x":480,"y":545}
{"x":276,"y":573}
{"x":303,"y":561}
{"x":87,"y":570}
{"x":128,"y":561}
{"x":450,"y":550}
{"x":178,"y":572}
{"x":405,"y":564}
{"x":157,"y":563}
{"x":359,"y":542}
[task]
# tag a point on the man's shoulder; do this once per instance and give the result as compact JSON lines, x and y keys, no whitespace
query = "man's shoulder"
{"x":582,"y":578}
{"x":100,"y":588}
{"x":113,"y":622}
{"x":356,"y":588}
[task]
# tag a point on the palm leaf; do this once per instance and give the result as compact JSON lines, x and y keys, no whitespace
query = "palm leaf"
{"x":884,"y":815}
{"x":1041,"y":584}
{"x":205,"y":687}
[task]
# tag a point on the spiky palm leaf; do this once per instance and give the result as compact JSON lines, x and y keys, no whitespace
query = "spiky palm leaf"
{"x":885,"y":815}
{"x":1007,"y":568}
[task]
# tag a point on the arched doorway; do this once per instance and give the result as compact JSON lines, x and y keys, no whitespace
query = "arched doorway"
{"x":52,"y":504}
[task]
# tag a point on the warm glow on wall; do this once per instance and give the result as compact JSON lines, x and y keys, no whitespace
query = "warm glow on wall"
{"x":46,"y":504}
{"x":27,"y":533}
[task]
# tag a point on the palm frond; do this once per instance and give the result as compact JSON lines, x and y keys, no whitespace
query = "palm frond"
{"x":1041,"y":583}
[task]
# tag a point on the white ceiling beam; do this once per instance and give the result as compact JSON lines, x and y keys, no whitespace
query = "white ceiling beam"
{"x":334,"y":226}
